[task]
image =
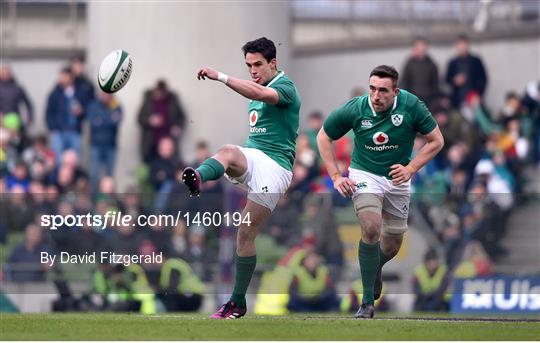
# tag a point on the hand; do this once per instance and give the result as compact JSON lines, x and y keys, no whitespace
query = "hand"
{"x":176,"y":131}
{"x":155,"y":120}
{"x":77,"y":109}
{"x":400,"y":174}
{"x":459,"y":79}
{"x":207,"y":72}
{"x":344,"y":186}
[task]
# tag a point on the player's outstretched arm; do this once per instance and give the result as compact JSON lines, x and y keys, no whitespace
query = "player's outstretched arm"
{"x":343,"y":185}
{"x":435,"y":143}
{"x":249,"y":89}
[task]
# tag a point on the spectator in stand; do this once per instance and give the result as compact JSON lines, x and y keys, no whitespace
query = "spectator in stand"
{"x":159,"y":234}
{"x":39,"y":199}
{"x":305,"y":154}
{"x":85,"y":240}
{"x":318,"y":218}
{"x":39,"y":151}
{"x":24,"y":263}
{"x":179,"y":241}
{"x":104,"y":116}
{"x":451,"y":239}
{"x":163,"y":169}
{"x":11,"y":124}
{"x":430,"y":283}
{"x":420,"y":75}
{"x":13,"y":97}
{"x":107,"y":192}
{"x":202,"y":152}
{"x":283,"y":225}
{"x":315,"y":121}
{"x":125,"y":239}
{"x":17,"y":211}
{"x":482,"y":220}
{"x":197,"y":257}
{"x":161,"y":115}
{"x":465,"y":73}
{"x":64,"y":115}
{"x":68,"y":172}
{"x":306,"y":167}
{"x":512,"y":109}
{"x":498,"y":181}
{"x":531,"y":101}
{"x":132,"y":203}
{"x":82,"y":83}
{"x":20,"y":177}
{"x":312,"y":289}
{"x":474,"y":253}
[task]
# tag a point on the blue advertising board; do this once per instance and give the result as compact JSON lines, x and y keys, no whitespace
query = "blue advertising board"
{"x":496,"y":295}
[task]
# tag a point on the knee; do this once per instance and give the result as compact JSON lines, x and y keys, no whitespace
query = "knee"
{"x":371,"y":228}
{"x":227,"y":150}
{"x":246,"y":236}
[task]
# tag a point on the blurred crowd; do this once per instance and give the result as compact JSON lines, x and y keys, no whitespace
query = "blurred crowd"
{"x":466,"y":194}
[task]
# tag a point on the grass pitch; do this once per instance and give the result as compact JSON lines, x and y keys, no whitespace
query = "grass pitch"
{"x":109,"y":326}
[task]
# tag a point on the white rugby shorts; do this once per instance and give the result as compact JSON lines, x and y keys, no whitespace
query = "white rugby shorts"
{"x":265,"y":180}
{"x":396,"y":199}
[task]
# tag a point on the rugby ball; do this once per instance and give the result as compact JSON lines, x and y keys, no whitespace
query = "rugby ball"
{"x":115,"y":71}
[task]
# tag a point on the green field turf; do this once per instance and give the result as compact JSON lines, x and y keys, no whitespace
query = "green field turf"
{"x":108,"y":326}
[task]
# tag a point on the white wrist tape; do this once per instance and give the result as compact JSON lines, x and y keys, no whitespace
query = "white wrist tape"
{"x":222,"y":77}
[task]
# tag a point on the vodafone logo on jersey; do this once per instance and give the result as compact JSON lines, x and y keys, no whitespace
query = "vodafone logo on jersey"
{"x":253,"y":117}
{"x":380,"y":138}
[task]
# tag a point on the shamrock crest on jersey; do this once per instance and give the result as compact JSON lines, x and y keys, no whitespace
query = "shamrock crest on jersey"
{"x":397,"y":119}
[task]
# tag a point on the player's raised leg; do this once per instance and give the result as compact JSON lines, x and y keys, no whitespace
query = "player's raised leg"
{"x":245,"y":261}
{"x":228,"y":159}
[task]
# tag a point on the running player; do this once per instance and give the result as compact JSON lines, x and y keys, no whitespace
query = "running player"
{"x":385,"y":123}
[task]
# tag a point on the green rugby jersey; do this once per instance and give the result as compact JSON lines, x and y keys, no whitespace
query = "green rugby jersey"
{"x":273,"y":128}
{"x":381,"y":139}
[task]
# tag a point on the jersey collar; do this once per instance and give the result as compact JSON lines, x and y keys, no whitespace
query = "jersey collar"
{"x":279,"y":74}
{"x":373,"y":110}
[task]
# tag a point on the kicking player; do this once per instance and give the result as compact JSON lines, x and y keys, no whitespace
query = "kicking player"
{"x":385,"y":123}
{"x":264,"y":166}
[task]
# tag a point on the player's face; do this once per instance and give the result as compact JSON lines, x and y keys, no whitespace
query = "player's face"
{"x":381,"y":93}
{"x":260,"y":70}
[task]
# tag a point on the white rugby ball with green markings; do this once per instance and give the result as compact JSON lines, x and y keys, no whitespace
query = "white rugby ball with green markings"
{"x":115,"y":71}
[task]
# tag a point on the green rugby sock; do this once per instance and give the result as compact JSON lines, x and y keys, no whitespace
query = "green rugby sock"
{"x":211,"y":169}
{"x":245,"y":266}
{"x":368,"y":254}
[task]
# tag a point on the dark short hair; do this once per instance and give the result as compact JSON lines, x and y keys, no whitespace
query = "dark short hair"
{"x":66,"y":70}
{"x":511,"y":95}
{"x":202,"y":145}
{"x":462,"y":37}
{"x":431,"y":254}
{"x":78,"y":58}
{"x":419,"y":39}
{"x":263,"y":45}
{"x":161,"y":85}
{"x":386,"y":72}
{"x":316,"y":115}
